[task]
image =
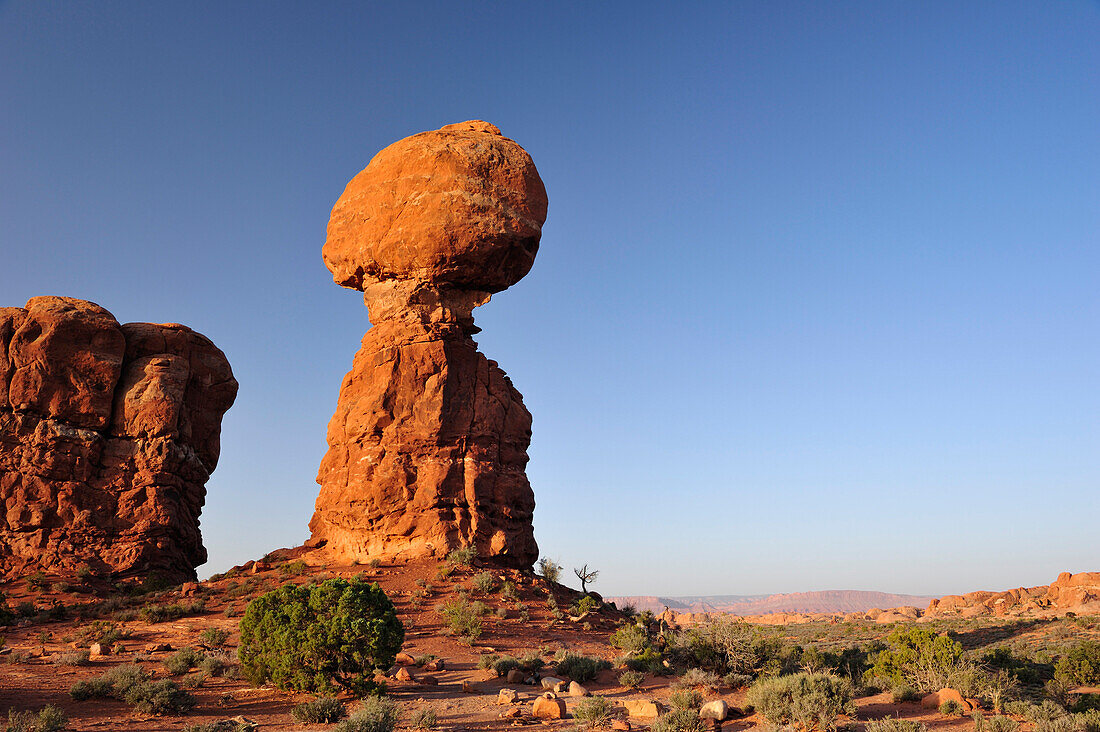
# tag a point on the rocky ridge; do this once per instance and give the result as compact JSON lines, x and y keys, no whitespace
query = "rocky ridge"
{"x":108,"y":434}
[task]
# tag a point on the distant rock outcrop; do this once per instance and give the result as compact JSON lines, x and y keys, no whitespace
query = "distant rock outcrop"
{"x":428,"y":445}
{"x":1079,"y":593}
{"x":108,"y":434}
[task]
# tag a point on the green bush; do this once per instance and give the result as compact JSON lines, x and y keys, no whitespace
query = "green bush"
{"x":550,"y":570}
{"x":630,"y":638}
{"x":631,"y":679}
{"x":174,"y":611}
{"x":994,"y":724}
{"x":685,"y":699}
{"x":803,"y":698}
{"x":581,"y":668}
{"x":424,"y":719}
{"x":593,"y":710}
{"x":904,"y":693}
{"x":737,"y":681}
{"x":215,"y":637}
{"x":323,"y":710}
{"x":679,"y":720}
{"x":891,"y":724}
{"x":183,"y":661}
{"x":484,"y":582}
{"x":584,"y":605}
{"x":462,"y":618}
{"x":159,"y":697}
{"x":1080,"y":665}
{"x":918,"y":657}
{"x":723,"y":645}
{"x":73,"y":658}
{"x":378,"y":714}
{"x":463,"y":557}
{"x":317,"y":637}
{"x":697,"y":677}
{"x":647,"y":660}
{"x":47,"y":719}
{"x":951,"y":708}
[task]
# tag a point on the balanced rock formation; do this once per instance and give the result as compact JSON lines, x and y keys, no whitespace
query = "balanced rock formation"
{"x":108,"y":434}
{"x":428,"y":445}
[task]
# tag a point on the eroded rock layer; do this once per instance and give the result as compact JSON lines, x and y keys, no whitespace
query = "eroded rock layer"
{"x":428,"y":445}
{"x":108,"y":434}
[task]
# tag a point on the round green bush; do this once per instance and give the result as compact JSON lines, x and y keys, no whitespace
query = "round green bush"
{"x":317,"y":637}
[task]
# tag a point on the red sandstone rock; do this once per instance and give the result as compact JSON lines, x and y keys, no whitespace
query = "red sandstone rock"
{"x":108,"y":434}
{"x":428,"y":445}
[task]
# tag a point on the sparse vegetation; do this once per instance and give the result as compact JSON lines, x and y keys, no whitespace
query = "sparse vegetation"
{"x":464,"y":557}
{"x":377,"y":714}
{"x":631,"y":679}
{"x":131,"y":684}
{"x":462,"y":619}
{"x":323,"y":710}
{"x":890,"y":724}
{"x":47,"y":719}
{"x":679,"y":720}
{"x":580,"y":668}
{"x":72,"y":658}
{"x":320,"y":637}
{"x":810,"y":700}
{"x":424,"y":719}
{"x":183,"y":661}
{"x":215,"y":637}
{"x":484,"y":582}
{"x":549,"y":570}
{"x":951,"y":708}
{"x":173,"y":611}
{"x":594,"y":711}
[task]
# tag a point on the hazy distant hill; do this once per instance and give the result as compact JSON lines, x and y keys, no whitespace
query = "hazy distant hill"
{"x":826,"y":601}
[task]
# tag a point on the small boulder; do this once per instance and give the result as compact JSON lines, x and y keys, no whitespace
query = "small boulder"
{"x":548,"y":706}
{"x":157,"y":647}
{"x":717,"y":710}
{"x":936,"y":699}
{"x":507,"y":696}
{"x":403,"y":674}
{"x":576,"y":689}
{"x":469,"y":687}
{"x":404,"y":659}
{"x":550,"y":683}
{"x":99,"y":649}
{"x":436,"y":664}
{"x":620,"y":725}
{"x":513,"y":713}
{"x":643,"y":708}
{"x":515,"y":676}
{"x":428,"y":680}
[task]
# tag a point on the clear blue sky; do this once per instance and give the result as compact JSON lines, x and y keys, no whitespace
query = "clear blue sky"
{"x":817,"y":302}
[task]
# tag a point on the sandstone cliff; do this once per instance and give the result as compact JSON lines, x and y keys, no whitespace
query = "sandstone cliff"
{"x":108,"y":434}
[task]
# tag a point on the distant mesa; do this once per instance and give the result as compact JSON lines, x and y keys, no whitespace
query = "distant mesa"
{"x":428,"y":445}
{"x":108,"y":434}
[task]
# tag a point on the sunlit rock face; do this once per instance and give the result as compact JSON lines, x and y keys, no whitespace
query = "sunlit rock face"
{"x":108,"y":434}
{"x":428,"y":445}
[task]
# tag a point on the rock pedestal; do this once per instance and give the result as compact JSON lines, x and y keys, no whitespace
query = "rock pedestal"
{"x":108,"y":434}
{"x":428,"y":445}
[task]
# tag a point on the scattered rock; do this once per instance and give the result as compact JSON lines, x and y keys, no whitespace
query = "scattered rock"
{"x":469,"y":687}
{"x":437,"y":664}
{"x":507,"y":696}
{"x":428,"y":680}
{"x":157,"y":647}
{"x":548,"y":706}
{"x":403,"y":674}
{"x":550,"y":683}
{"x":99,"y":649}
{"x":404,"y":659}
{"x":716,"y":709}
{"x":515,"y":676}
{"x":576,"y":689}
{"x":621,"y":725}
{"x":428,"y":444}
{"x":513,"y":713}
{"x":937,"y":698}
{"x":643,"y":708}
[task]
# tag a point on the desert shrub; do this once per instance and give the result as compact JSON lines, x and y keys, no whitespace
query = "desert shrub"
{"x":195,"y":680}
{"x":378,"y":714}
{"x":584,"y":605}
{"x":424,"y":719}
{"x":479,"y":608}
{"x":1088,"y":721}
{"x":487,"y":660}
{"x":917,"y":657}
{"x":183,"y":661}
{"x":697,"y":677}
{"x":425,"y":659}
{"x":631,"y":679}
{"x":581,"y":668}
{"x":630,"y":638}
{"x":484,"y":582}
{"x":951,"y":708}
{"x":318,"y":637}
{"x":174,"y":611}
{"x":92,"y":689}
{"x":1080,"y":665}
{"x":803,"y":698}
{"x":891,"y":724}
{"x":593,"y":710}
{"x":38,"y":581}
{"x":904,"y":693}
{"x":215,"y":637}
{"x":550,"y":570}
{"x":462,"y":618}
{"x":679,"y":720}
{"x":463,"y":557}
{"x":722,"y":645}
{"x":159,"y":697}
{"x":1000,"y":723}
{"x":685,"y":699}
{"x":47,"y":719}
{"x":1062,"y":724}
{"x":101,"y":631}
{"x":508,"y":591}
{"x":294,"y":569}
{"x":647,"y":660}
{"x":1018,"y":708}
{"x":323,"y":710}
{"x":72,"y":658}
{"x":217,"y":664}
{"x":1048,"y":711}
{"x":999,"y":687}
{"x":737,"y":681}
{"x":1023,"y":669}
